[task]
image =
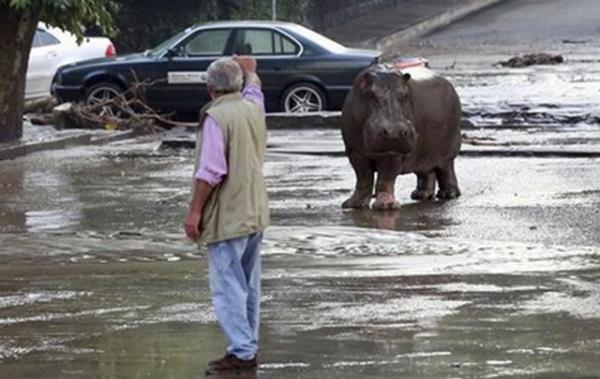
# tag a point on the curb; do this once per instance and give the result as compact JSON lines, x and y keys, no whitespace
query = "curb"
{"x":468,"y":152}
{"x":296,"y":121}
{"x":115,"y":137}
{"x":425,"y":27}
{"x":20,"y":149}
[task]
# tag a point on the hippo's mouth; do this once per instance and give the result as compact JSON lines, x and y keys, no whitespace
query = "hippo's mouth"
{"x":377,"y":143}
{"x":377,"y":154}
{"x":388,"y":147}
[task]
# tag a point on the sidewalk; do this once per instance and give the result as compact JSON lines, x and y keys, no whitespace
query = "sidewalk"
{"x":409,"y":18}
{"x":41,"y":138}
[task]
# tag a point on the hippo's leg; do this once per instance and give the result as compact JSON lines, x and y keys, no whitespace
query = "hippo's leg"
{"x":364,"y":170}
{"x":447,"y":181}
{"x":425,"y":186}
{"x":384,"y":189}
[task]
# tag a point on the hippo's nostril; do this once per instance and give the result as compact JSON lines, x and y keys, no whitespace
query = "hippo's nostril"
{"x":385,"y":133}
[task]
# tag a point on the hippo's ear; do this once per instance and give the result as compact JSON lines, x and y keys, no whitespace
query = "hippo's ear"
{"x":406,"y":77}
{"x":365,"y":81}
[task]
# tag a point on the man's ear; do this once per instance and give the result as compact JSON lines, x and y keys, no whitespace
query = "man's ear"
{"x":211,"y":91}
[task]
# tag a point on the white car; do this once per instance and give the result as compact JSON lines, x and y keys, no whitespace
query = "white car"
{"x":53,"y":48}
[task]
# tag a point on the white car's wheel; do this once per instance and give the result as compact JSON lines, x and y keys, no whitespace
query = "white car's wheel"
{"x":104,"y":93}
{"x":303,"y":97}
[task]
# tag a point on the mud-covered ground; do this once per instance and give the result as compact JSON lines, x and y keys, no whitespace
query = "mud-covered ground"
{"x":552,"y":105}
{"x":97,"y":280}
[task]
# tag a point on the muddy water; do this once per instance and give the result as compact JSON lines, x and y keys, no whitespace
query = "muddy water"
{"x":549,"y":105}
{"x":552,"y":106}
{"x":96,"y":279}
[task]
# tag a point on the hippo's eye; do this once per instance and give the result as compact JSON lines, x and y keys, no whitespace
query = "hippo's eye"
{"x":402,"y":92}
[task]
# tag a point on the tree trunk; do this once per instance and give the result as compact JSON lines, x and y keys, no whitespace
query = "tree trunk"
{"x":16,"y":30}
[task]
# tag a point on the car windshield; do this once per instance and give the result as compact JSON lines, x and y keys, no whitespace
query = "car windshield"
{"x":166,"y":44}
{"x":317,"y":38}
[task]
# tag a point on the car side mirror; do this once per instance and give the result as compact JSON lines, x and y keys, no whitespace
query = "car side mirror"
{"x":172,"y":52}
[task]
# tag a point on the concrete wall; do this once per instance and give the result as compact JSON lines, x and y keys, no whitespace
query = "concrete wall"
{"x":326,"y":14}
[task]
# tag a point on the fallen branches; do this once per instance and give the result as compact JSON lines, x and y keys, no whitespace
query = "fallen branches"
{"x":42,"y":105}
{"x":532,"y":59}
{"x":125,"y":111}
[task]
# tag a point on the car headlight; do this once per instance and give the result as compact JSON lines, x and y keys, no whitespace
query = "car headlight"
{"x":57,"y":78}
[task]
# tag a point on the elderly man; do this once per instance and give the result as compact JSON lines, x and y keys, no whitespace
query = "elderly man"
{"x":229,"y":207}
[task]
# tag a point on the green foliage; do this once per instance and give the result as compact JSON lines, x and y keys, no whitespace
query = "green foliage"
{"x":73,"y":15}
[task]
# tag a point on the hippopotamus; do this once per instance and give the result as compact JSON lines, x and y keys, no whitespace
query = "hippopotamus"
{"x":397,"y":122}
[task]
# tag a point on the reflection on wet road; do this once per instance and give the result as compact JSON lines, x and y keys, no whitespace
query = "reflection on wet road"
{"x":338,"y":301}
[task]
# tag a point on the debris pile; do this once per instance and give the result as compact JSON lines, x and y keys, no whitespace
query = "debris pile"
{"x":532,"y":59}
{"x":127,"y":111}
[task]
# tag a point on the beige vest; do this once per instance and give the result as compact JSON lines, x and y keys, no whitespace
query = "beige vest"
{"x":238,"y":206}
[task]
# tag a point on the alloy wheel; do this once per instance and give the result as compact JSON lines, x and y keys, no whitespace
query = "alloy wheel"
{"x":102,"y":95}
{"x":303,"y":99}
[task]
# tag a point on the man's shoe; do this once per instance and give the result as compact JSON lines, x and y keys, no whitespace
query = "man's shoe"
{"x":231,"y":363}
{"x":218,"y":361}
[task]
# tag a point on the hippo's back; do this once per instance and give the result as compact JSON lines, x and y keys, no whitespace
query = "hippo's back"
{"x":437,"y":118}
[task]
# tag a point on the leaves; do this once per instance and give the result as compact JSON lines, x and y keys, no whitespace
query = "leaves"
{"x":73,"y":15}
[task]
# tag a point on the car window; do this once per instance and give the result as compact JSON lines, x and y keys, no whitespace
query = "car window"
{"x":263,"y":42}
{"x":43,"y":38}
{"x":37,"y":41}
{"x":165,"y":44}
{"x":284,"y":45}
{"x":207,"y":43}
{"x":49,"y":39}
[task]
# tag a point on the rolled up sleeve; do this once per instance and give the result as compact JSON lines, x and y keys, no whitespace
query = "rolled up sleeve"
{"x":213,"y":161}
{"x":253,"y":93}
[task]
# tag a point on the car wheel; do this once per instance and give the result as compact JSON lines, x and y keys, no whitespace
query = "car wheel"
{"x":103,"y":93}
{"x":303,"y":97}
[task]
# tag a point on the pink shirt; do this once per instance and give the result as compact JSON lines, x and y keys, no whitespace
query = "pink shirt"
{"x":213,"y":159}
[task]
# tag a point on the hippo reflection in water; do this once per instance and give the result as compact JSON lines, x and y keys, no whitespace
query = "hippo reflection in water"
{"x":396,"y":122}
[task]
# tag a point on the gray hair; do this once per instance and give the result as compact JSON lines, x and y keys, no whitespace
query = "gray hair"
{"x":225,"y":76}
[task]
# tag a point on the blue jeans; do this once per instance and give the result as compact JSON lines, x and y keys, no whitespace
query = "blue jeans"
{"x":234,"y":277}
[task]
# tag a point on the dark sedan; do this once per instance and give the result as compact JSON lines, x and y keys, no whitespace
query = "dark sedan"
{"x":302,"y":71}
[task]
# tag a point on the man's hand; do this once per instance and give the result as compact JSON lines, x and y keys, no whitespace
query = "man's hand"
{"x":247,"y":63}
{"x":202,"y":191}
{"x":192,"y":225}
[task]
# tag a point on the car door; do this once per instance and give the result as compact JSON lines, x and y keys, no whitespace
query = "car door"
{"x":276,"y":55}
{"x":43,"y":60}
{"x":184,"y":87}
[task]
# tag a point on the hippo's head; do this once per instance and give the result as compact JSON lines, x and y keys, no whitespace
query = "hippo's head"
{"x":389,"y":124}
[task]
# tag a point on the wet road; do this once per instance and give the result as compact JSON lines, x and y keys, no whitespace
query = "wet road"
{"x":550,"y":105}
{"x":523,"y":25}
{"x":97,"y":281}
